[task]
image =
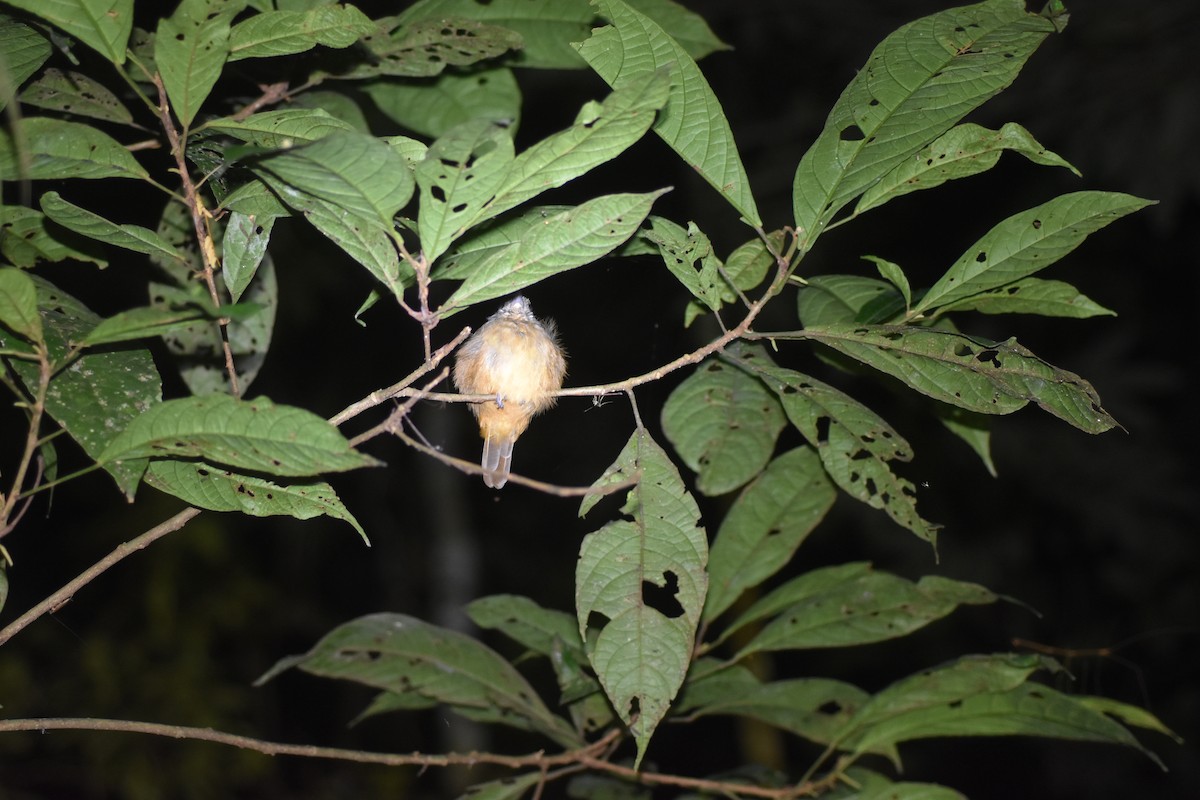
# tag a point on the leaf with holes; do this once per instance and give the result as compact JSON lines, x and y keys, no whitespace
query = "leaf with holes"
{"x":1032,"y":296}
{"x":863,"y":608}
{"x":419,"y":665}
{"x":190,"y":49}
{"x":423,"y":48}
{"x":978,"y":696}
{"x":746,"y":268}
{"x":562,"y":242}
{"x":854,"y":443}
{"x":25,"y":240}
{"x":53,"y":148}
{"x":972,"y":373}
{"x":103,"y":25}
{"x":765,"y":525}
{"x":434,"y":108}
{"x":692,"y":123}
{"x":90,"y":224}
{"x":242,"y":250}
{"x":1028,"y":242}
{"x":723,"y":423}
{"x":639,"y":589}
{"x":281,"y":33}
{"x":255,"y":435}
{"x":218,"y":489}
{"x":681,"y":249}
{"x":95,"y":395}
{"x":458,"y":176}
{"x":916,"y":85}
{"x":75,"y":93}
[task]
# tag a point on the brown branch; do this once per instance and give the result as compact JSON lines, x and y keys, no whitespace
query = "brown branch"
{"x":272,"y":93}
{"x":64,"y":595}
{"x":36,"y":410}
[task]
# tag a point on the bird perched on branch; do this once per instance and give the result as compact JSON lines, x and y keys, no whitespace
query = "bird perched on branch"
{"x":515,"y":358}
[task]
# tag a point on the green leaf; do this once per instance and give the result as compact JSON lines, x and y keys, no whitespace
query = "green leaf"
{"x":218,"y":489}
{"x":832,"y":299}
{"x":459,"y":174}
{"x":692,"y":123}
{"x":542,"y":630}
{"x":190,"y":48}
{"x":746,"y":267}
{"x":567,"y":240}
{"x":765,"y":525}
{"x":480,"y":244}
{"x":1028,"y":242}
{"x":917,"y":83}
{"x":51,"y":149}
{"x":281,"y":33}
{"x":864,"y":608}
{"x":94,"y":226}
{"x":282,"y":128}
{"x":510,"y":788}
{"x":18,"y":304}
{"x":1032,"y":296}
{"x":434,"y":108}
{"x":639,"y":589}
{"x":680,"y":250}
{"x":894,"y":275}
{"x":960,"y":152}
{"x":255,"y":435}
{"x":969,"y":372}
{"x":76,"y":93}
{"x":22,"y":52}
{"x":97,"y":394}
{"x":813,"y":708}
{"x":420,"y":664}
{"x":978,"y":696}
{"x":855,"y":445}
{"x":1127,"y":714}
{"x":863,"y":784}
{"x":338,"y":105}
{"x":243,"y":249}
{"x":723,"y":423}
{"x":139,"y":323}
{"x":601,"y":132}
{"x":25,"y":240}
{"x":103,"y":25}
{"x":972,"y":428}
{"x":254,"y":199}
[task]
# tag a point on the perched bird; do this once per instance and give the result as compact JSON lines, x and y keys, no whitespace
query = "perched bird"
{"x":515,"y":358}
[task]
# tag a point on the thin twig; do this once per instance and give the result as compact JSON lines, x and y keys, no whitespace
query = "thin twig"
{"x":36,"y":410}
{"x":394,"y":420}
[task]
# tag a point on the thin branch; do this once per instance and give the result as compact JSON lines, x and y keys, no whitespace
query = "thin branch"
{"x":64,"y":595}
{"x":395,"y":419}
{"x":36,"y":410}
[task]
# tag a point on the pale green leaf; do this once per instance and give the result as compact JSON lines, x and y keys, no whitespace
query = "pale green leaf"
{"x":894,"y":275}
{"x":23,"y":50}
{"x":51,"y":149}
{"x":542,"y":630}
{"x":282,"y":128}
{"x":218,"y":489}
{"x":723,"y":423}
{"x":18,"y":304}
{"x":103,"y":25}
{"x":255,"y":435}
{"x":972,"y":373}
{"x":974,"y":429}
{"x":434,"y":108}
{"x":243,"y":249}
{"x":1032,"y":296}
{"x":856,"y":445}
{"x":960,"y":152}
{"x":833,"y":299}
{"x":421,"y":664}
{"x":692,"y":123}
{"x":94,"y":226}
{"x":280,"y":33}
{"x":639,"y":589}
{"x":1127,"y":714}
{"x":190,"y":49}
{"x":917,"y":83}
{"x":746,"y":268}
{"x":75,"y":93}
{"x":1028,"y":242}
{"x":565,"y":241}
{"x":765,"y":525}
{"x":25,"y":240}
{"x":140,"y":323}
{"x":336,"y":104}
{"x":482,"y":243}
{"x":424,"y":48}
{"x":255,"y":199}
{"x":680,"y":249}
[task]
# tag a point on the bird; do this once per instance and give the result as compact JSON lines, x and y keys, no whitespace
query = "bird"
{"x":516,"y":359}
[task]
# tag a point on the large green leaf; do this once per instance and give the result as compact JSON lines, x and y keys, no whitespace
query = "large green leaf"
{"x":218,"y":489}
{"x":94,"y":226}
{"x":103,"y":25}
{"x":565,"y":241}
{"x":1032,"y":296}
{"x":855,"y":444}
{"x":1026,"y":243}
{"x":692,"y":123}
{"x":281,"y":33}
{"x":917,"y":83}
{"x":969,"y":372}
{"x":51,"y":149}
{"x":640,"y":586}
{"x":18,"y":304}
{"x":832,"y":299}
{"x":282,"y":128}
{"x":255,"y":435}
{"x":418,"y":664}
{"x":190,"y":49}
{"x":424,"y":48}
{"x":23,"y":50}
{"x":434,"y":108}
{"x":26,"y":240}
{"x":97,"y":394}
{"x":723,"y":423}
{"x":765,"y":525}
{"x":76,"y":93}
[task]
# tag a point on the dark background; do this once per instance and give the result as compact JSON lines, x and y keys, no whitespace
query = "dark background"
{"x":1098,"y":534}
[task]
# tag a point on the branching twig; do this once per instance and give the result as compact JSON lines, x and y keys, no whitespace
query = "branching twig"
{"x":36,"y":410}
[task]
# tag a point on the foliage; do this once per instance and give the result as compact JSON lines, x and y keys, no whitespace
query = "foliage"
{"x":664,"y":624}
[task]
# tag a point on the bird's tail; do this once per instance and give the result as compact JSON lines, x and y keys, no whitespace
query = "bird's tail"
{"x":497,"y":458}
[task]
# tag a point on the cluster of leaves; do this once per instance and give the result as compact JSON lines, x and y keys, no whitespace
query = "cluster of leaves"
{"x":452,"y":203}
